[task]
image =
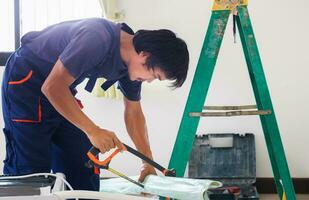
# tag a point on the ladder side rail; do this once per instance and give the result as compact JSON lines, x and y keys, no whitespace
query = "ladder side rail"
{"x":199,"y":88}
{"x":263,"y":99}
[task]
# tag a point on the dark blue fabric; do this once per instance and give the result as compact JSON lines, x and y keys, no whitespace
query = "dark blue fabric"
{"x":46,"y":143}
{"x":129,"y":87}
{"x":88,"y":48}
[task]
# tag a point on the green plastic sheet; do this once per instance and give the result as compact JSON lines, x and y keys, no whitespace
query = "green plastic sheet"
{"x":173,"y":187}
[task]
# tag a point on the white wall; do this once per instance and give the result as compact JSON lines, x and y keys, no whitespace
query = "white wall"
{"x":281,"y":29}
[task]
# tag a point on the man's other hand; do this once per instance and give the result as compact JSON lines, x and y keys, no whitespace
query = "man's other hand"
{"x":146,"y":170}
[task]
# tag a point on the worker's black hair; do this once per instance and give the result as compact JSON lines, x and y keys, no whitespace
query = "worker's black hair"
{"x":166,"y":51}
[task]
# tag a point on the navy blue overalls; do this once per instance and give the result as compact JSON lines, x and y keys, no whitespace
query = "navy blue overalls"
{"x":38,"y":138}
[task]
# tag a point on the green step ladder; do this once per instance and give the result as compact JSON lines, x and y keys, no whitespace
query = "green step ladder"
{"x":200,"y":85}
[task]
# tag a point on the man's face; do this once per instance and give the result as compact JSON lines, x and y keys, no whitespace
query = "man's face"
{"x":138,"y":70}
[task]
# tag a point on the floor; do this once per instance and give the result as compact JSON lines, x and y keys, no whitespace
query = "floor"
{"x":276,"y":197}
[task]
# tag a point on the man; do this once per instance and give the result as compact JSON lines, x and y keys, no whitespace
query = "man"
{"x":45,"y":129}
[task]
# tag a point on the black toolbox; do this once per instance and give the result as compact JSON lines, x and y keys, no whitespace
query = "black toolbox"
{"x":228,"y":158}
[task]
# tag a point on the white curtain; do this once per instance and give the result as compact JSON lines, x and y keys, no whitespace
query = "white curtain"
{"x":7,"y":35}
{"x":37,"y":14}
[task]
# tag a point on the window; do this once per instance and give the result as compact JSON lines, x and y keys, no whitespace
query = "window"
{"x":7,"y":26}
{"x":18,"y":17}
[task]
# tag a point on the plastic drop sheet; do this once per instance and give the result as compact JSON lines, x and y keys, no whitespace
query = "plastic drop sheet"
{"x":173,"y":187}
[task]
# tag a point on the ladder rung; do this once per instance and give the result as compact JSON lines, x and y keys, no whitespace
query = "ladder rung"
{"x":230,"y":114}
{"x":244,"y":107}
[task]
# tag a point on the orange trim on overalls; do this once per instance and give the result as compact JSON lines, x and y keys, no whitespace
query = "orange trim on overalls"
{"x":39,"y":120}
{"x":22,"y":80}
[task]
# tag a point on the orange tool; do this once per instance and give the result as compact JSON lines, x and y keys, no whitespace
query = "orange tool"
{"x":96,"y":163}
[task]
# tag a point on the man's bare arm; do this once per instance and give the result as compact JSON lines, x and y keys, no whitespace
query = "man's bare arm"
{"x":57,"y":90}
{"x":137,"y":129}
{"x":136,"y":126}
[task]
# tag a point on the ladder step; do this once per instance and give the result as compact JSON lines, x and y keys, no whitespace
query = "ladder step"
{"x":229,"y":114}
{"x":244,"y":107}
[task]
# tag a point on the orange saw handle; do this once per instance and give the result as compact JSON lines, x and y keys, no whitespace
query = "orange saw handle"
{"x":93,"y":152}
{"x":92,"y":155}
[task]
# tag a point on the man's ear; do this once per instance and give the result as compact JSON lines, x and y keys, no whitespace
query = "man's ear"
{"x":144,"y":54}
